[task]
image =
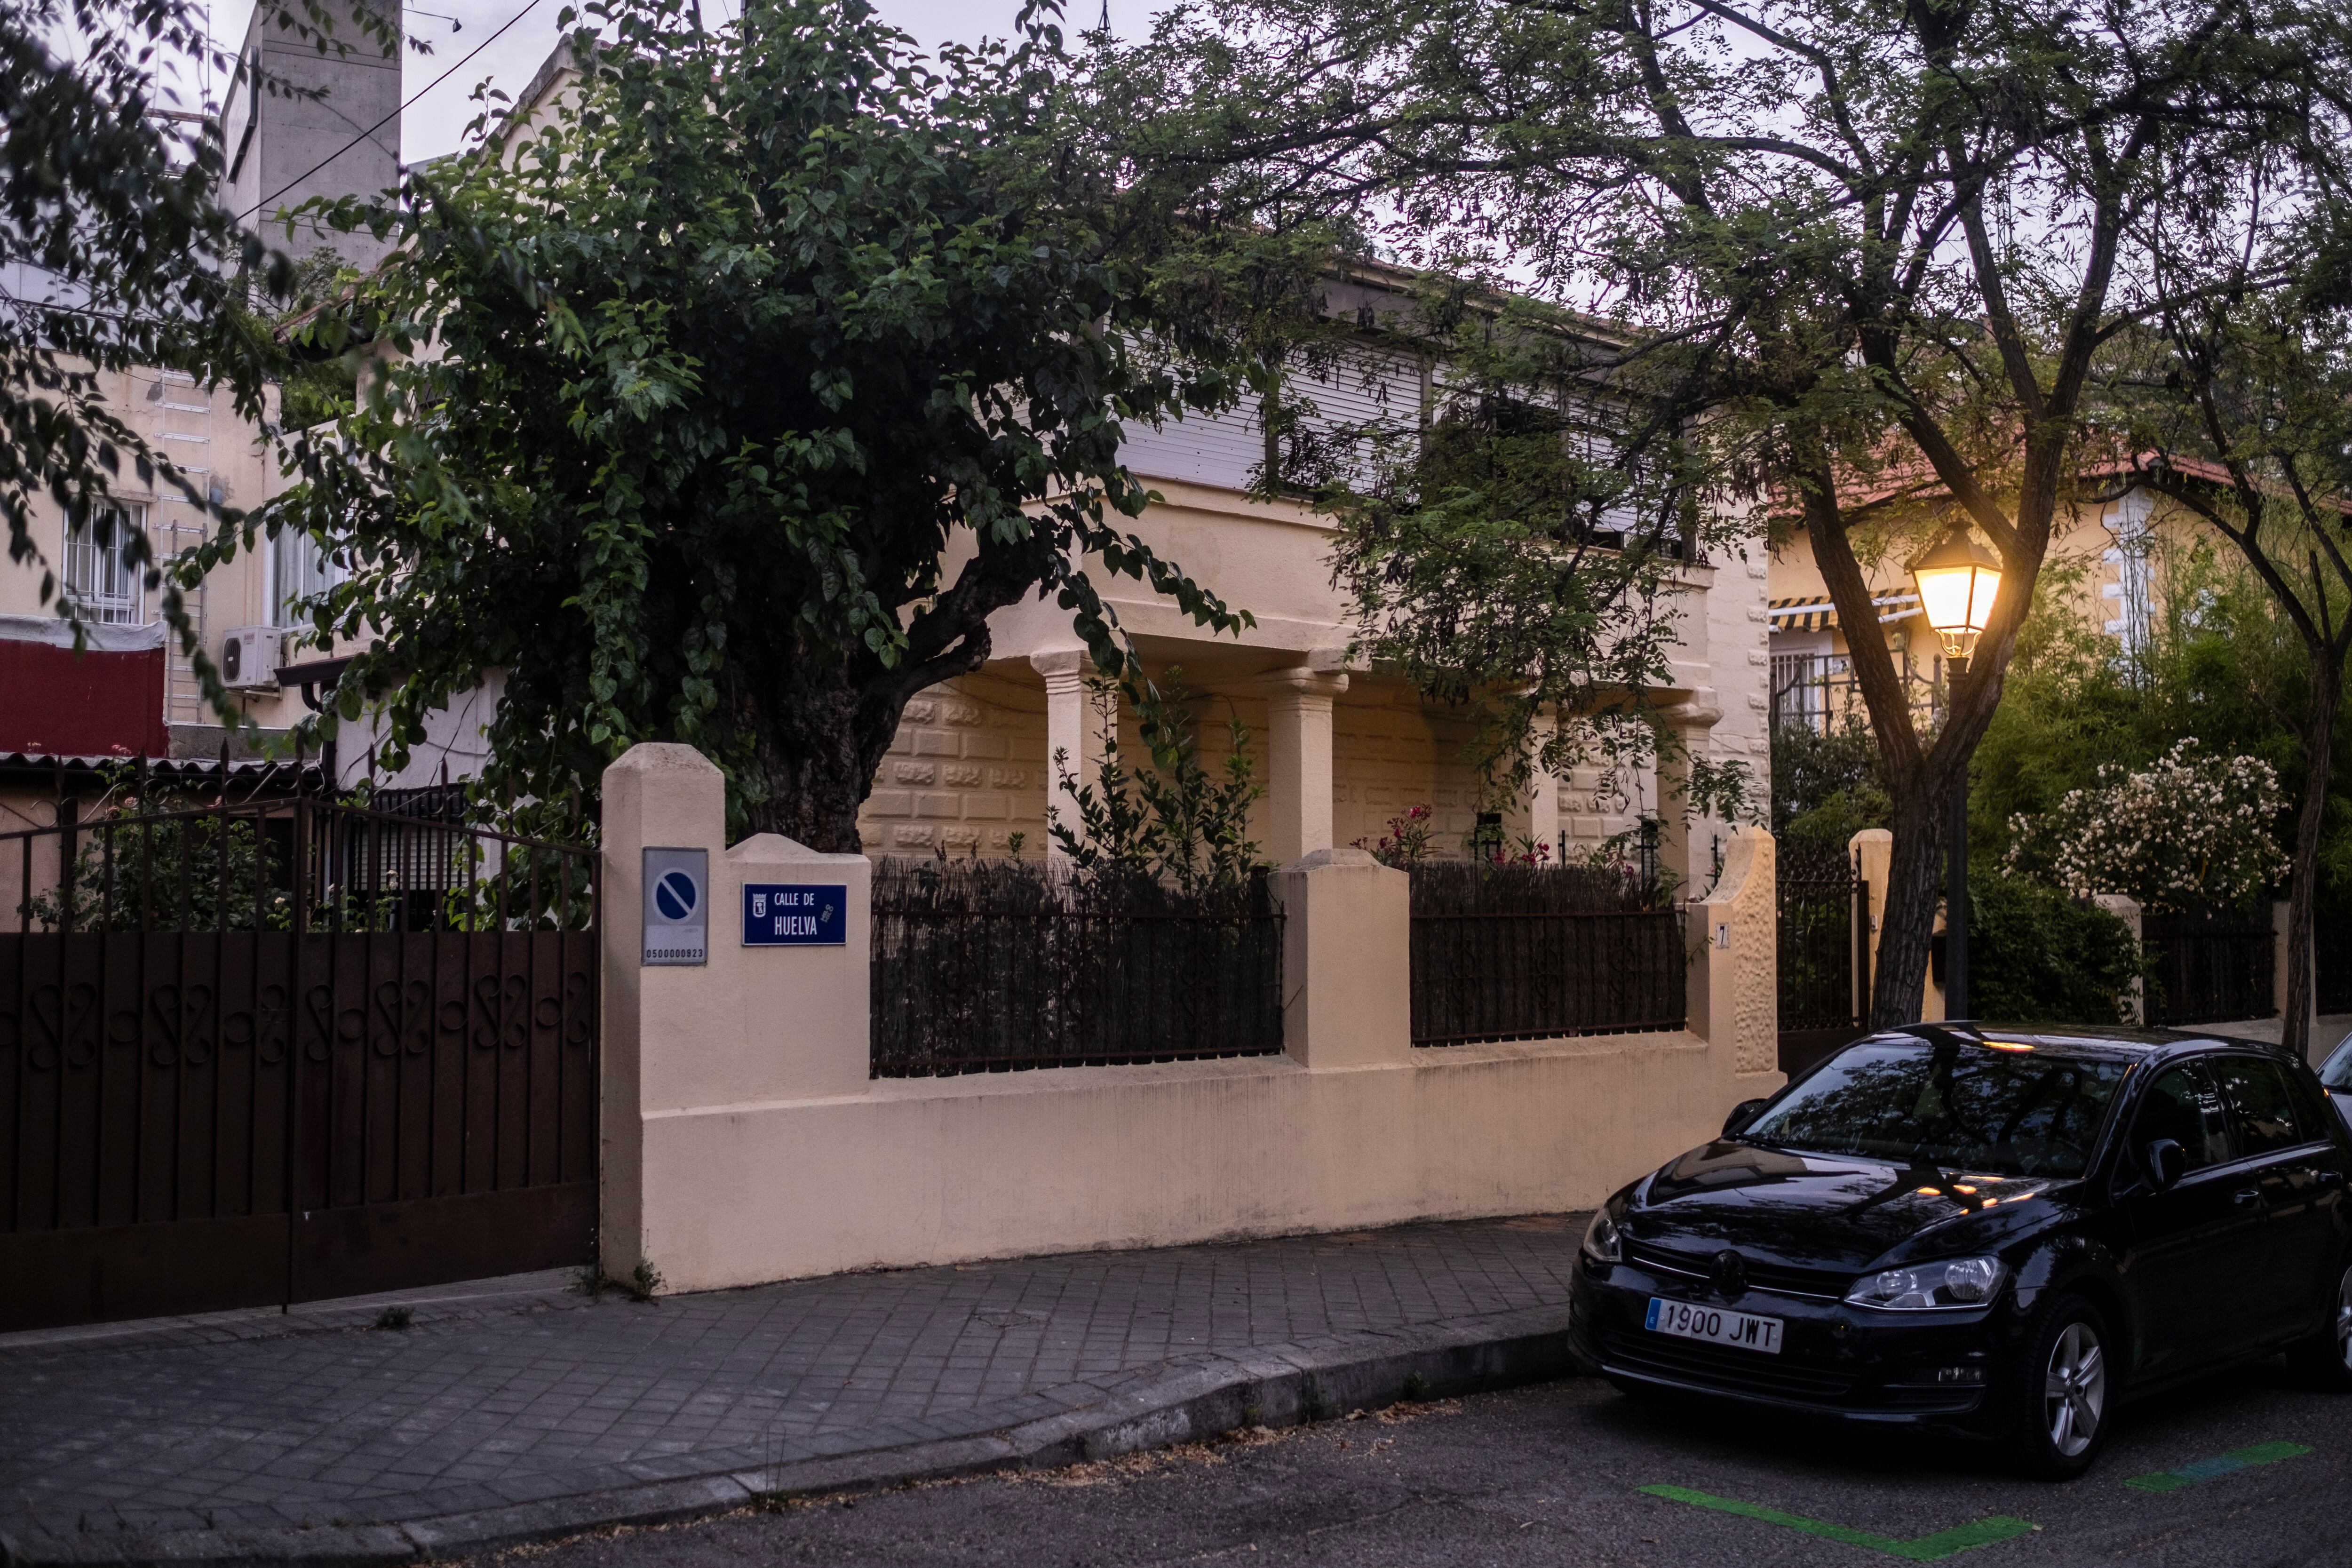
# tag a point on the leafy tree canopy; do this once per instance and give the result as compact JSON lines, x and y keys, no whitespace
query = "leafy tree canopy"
{"x":725,"y":399}
{"x":1867,"y":249}
{"x":2236,"y":406}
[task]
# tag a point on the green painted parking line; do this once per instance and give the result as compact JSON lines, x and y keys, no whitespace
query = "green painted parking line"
{"x":2228,"y":1464}
{"x":1926,"y":1549}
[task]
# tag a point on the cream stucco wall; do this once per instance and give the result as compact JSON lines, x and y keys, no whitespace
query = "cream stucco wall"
{"x":744,"y":1140}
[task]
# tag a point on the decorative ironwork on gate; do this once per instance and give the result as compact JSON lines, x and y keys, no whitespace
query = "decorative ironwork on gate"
{"x":1824,"y":951}
{"x":286,"y":1049}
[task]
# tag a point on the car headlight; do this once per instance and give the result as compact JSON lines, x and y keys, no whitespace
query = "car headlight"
{"x":1601,"y":1243}
{"x":1925,"y":1287}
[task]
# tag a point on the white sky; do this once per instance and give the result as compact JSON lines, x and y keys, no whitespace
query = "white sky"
{"x":435,"y":124}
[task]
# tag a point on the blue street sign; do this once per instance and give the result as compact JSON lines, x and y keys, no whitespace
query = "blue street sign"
{"x":795,"y":914}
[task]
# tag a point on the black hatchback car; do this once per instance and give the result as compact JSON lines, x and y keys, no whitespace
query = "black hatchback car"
{"x":1986,"y":1235}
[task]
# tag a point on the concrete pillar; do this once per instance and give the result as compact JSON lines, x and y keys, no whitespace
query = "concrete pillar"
{"x":1075,"y":726}
{"x":2126,"y":910}
{"x":1298,"y":748}
{"x":753,"y":1024}
{"x":1347,"y":959}
{"x":1733,"y":991}
{"x":1681,"y":851}
{"x":1873,"y":850}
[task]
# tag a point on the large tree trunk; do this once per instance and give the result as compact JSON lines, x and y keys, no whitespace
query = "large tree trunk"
{"x":806,"y":752}
{"x":2318,"y":751}
{"x":812,"y":734}
{"x":1907,"y":928}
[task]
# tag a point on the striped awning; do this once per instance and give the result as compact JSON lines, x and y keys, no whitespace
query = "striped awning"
{"x":1816,"y":614}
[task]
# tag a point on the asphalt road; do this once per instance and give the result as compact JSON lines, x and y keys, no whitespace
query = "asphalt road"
{"x":1556,"y":1476}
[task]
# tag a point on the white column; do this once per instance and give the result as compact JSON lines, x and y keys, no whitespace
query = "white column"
{"x":1678,"y":851}
{"x":1074,"y":732}
{"x":1298,"y":746}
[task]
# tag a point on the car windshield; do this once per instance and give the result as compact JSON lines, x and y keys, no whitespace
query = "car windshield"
{"x":1953,"y":1105}
{"x":2337,"y":1071}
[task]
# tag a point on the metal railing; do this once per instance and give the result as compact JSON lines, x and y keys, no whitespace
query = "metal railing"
{"x":991,"y":966}
{"x":1510,"y":952}
{"x":1824,"y":938}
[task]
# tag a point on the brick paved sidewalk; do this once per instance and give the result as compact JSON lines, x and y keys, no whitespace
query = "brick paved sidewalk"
{"x":538,"y":1400}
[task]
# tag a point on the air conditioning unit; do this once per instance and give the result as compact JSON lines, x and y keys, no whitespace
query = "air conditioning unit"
{"x":251,"y":657}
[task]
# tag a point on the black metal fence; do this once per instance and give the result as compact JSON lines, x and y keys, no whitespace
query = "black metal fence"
{"x":296,"y":1049}
{"x":991,"y":965}
{"x":1515,"y":953}
{"x":2209,"y":965}
{"x":1823,"y":951}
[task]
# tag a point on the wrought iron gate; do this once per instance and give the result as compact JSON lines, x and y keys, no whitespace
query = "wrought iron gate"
{"x":286,"y":1050}
{"x":1824,"y":953}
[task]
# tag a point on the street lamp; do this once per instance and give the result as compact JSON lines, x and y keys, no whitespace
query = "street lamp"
{"x":1956,"y":582}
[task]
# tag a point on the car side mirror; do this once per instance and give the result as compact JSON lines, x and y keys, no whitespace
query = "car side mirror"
{"x":1742,"y":1114}
{"x":2166,"y":1162}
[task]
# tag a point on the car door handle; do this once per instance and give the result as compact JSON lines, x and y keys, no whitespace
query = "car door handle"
{"x":2330,"y":1178}
{"x":2245,"y":1195}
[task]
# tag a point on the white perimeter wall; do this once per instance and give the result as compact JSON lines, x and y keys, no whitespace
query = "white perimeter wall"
{"x":744,"y":1140}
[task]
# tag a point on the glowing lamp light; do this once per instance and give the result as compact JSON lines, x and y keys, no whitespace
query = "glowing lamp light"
{"x":1956,"y":582}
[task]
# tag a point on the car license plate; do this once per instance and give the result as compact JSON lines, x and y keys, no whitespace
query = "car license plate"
{"x":1716,"y":1327}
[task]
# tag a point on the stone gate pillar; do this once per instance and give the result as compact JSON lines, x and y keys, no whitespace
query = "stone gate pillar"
{"x":778,"y":1009}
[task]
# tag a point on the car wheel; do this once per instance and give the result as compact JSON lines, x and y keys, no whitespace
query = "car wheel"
{"x":2325,"y":1360}
{"x":2063,"y":1381}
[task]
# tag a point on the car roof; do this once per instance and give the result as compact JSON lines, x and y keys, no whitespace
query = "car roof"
{"x":2110,"y":1044}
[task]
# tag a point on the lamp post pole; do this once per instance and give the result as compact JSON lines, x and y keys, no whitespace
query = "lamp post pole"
{"x":1955,"y":881}
{"x":1959,"y":581}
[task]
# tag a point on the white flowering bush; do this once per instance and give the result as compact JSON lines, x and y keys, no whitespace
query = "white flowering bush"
{"x":2191,"y":832}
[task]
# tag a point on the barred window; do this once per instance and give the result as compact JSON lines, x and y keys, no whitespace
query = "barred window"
{"x":102,"y":577}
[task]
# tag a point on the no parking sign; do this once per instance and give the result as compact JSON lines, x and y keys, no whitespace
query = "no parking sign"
{"x":678,"y":907}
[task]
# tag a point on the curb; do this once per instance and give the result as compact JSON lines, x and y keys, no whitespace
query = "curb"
{"x":1202,"y":1400}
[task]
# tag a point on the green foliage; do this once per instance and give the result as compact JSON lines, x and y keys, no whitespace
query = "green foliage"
{"x":161,"y":861}
{"x":315,"y":388}
{"x":1510,"y":549}
{"x":2070,"y":702}
{"x":1825,"y":784}
{"x":2036,"y":956}
{"x":2220,"y":664}
{"x":1407,"y":842}
{"x":735,"y":394}
{"x":1176,"y":820}
{"x":1857,"y":256}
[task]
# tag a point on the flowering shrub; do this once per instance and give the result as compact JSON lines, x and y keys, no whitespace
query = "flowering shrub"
{"x":2191,"y":832}
{"x":1407,"y":840}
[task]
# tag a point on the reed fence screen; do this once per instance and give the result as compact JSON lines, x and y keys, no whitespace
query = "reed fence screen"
{"x":1513,"y":952}
{"x":995,"y":966}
